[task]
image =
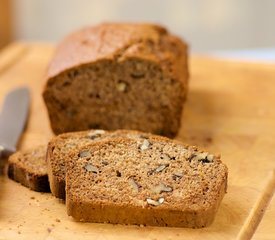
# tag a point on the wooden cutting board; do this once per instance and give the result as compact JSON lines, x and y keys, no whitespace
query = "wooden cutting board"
{"x":266,"y":228}
{"x":230,"y":110}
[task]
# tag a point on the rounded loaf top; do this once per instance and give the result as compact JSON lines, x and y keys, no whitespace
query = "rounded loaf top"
{"x":117,"y":41}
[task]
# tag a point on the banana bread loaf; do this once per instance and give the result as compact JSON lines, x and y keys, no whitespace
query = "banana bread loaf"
{"x":146,"y":180}
{"x":114,"y":76}
{"x":29,"y":168}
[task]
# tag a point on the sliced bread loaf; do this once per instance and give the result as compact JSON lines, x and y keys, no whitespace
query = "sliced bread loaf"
{"x":116,"y":75}
{"x":146,"y":180}
{"x":29,"y":168}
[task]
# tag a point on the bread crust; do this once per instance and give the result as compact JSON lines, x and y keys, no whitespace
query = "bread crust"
{"x":109,"y":41}
{"x":57,"y":184}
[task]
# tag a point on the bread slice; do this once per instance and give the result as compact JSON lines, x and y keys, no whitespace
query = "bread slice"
{"x":114,"y":76}
{"x":147,"y":180}
{"x":60,"y":146}
{"x":57,"y":152}
{"x":29,"y":168}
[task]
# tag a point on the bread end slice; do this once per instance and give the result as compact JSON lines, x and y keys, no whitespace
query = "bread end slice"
{"x":29,"y":169}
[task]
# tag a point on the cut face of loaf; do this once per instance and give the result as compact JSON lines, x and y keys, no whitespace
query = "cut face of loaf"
{"x":140,"y":180}
{"x":113,"y":76}
{"x":29,"y":168}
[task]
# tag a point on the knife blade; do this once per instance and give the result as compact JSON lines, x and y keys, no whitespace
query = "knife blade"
{"x":13,"y":119}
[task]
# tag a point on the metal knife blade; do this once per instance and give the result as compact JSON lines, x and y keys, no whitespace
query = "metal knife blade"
{"x":13,"y":119}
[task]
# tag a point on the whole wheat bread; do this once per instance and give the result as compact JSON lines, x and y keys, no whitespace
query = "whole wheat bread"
{"x":29,"y":168}
{"x":114,"y":76}
{"x":146,"y":180}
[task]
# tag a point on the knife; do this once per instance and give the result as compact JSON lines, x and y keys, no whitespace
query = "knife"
{"x":13,"y":119}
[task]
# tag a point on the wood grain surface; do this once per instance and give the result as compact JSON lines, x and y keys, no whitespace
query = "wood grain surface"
{"x":230,"y":110}
{"x":266,"y":229}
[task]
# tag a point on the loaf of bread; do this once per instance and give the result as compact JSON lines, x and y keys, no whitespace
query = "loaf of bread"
{"x":118,"y":76}
{"x":144,"y":179}
{"x":29,"y":168}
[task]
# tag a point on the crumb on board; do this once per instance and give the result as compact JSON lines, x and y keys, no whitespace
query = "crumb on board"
{"x":32,"y":197}
{"x":49,"y":230}
{"x":57,"y":220}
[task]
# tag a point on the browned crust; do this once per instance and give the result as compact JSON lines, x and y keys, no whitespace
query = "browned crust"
{"x":35,"y":182}
{"x":57,"y":185}
{"x":136,"y":40}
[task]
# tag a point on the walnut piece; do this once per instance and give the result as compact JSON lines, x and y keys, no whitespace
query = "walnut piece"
{"x":145,"y":145}
{"x":161,"y":188}
{"x":154,"y":202}
{"x":90,"y":168}
{"x":133,"y":184}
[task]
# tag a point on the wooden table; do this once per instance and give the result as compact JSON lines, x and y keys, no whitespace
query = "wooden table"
{"x":230,"y":110}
